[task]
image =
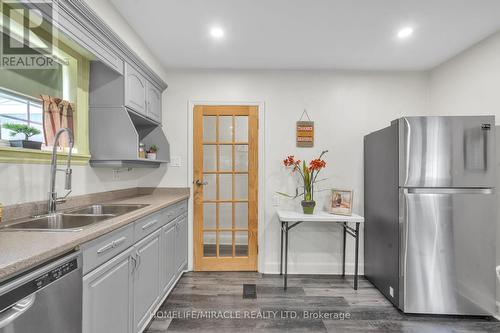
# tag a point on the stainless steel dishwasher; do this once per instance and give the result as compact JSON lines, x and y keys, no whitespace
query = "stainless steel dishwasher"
{"x":47,"y":299}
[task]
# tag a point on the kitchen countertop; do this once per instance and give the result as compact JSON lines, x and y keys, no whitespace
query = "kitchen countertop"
{"x":22,"y":250}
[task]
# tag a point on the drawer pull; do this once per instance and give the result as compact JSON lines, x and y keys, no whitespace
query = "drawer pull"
{"x":149,"y":225}
{"x":119,"y":241}
{"x":105,"y":248}
{"x":111,"y":245}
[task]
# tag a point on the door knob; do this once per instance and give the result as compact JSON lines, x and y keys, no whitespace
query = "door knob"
{"x":200,"y":183}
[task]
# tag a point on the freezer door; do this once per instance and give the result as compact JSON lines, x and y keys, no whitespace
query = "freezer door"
{"x":447,"y":151}
{"x":447,"y":257}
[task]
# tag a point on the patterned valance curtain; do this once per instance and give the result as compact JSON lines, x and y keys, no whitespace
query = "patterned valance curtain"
{"x":57,"y":113}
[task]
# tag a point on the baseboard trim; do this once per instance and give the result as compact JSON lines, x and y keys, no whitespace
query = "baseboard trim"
{"x":313,"y":268}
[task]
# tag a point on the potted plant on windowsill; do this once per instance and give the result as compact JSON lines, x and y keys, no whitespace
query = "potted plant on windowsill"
{"x":309,"y":174}
{"x":28,"y":132}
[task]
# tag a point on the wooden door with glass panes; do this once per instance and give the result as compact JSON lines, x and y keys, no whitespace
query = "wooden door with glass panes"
{"x":225,"y":187}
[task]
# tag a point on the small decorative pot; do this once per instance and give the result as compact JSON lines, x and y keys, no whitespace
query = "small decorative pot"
{"x":308,"y":206}
{"x":151,"y":156}
{"x":26,"y":144}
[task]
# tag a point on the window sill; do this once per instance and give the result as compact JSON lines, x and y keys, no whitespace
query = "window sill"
{"x":33,"y":156}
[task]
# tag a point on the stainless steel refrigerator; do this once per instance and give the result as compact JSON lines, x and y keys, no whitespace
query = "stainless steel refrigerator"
{"x":430,"y":212}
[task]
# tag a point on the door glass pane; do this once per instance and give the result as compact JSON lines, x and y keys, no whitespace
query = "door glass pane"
{"x":225,"y":129}
{"x":241,"y":158}
{"x":241,"y":215}
{"x":209,"y":244}
{"x":225,"y":158}
{"x":209,"y":217}
{"x":241,"y":131}
{"x":241,"y":187}
{"x":225,"y":244}
{"x":225,"y":215}
{"x":209,"y":158}
{"x":209,"y":190}
{"x":225,"y":187}
{"x":209,"y":129}
{"x":241,"y":243}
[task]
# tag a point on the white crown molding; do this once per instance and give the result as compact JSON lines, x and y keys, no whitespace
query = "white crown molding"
{"x":80,"y":12}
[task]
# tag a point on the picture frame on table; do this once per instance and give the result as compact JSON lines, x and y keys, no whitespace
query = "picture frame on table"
{"x":341,"y":202}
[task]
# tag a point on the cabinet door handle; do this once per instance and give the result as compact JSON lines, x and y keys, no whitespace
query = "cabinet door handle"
{"x":138,"y":257}
{"x":149,"y":225}
{"x":134,"y":264}
{"x":105,"y":248}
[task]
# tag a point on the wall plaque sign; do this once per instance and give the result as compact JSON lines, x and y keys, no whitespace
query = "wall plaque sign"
{"x":305,"y":132}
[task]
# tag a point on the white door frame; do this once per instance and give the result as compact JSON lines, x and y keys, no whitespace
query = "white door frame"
{"x":261,"y":195}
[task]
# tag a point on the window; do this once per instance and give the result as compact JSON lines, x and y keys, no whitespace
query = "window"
{"x":20,"y":110}
{"x":21,"y":103}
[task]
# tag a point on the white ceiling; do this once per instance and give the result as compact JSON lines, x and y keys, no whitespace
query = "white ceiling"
{"x":309,"y":34}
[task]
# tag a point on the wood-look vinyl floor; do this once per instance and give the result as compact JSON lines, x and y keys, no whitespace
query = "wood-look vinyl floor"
{"x":218,"y":296}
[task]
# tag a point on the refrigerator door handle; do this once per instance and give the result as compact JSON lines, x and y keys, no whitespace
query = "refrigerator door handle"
{"x":434,"y":190}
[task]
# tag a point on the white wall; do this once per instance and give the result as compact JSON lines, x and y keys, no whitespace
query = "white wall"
{"x":30,"y":182}
{"x":469,"y":84}
{"x":344,"y":105}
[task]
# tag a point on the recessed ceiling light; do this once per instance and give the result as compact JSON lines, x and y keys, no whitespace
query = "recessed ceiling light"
{"x":217,"y":32}
{"x":405,"y":32}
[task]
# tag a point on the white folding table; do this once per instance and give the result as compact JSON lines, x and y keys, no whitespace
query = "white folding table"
{"x":290,"y":219}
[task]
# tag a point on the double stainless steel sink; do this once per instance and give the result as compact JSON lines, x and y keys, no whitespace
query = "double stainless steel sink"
{"x":105,"y":209}
{"x":73,"y":219}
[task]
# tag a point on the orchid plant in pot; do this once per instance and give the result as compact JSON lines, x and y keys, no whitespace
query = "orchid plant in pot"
{"x":309,"y":174}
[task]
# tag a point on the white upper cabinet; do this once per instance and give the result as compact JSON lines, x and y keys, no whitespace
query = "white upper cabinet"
{"x":135,"y":90}
{"x":132,"y":90}
{"x":153,"y":102}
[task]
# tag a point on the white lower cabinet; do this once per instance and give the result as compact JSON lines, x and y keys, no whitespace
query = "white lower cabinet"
{"x":167,"y":257}
{"x":121,"y":295}
{"x":107,"y":296}
{"x":146,"y":279}
{"x":181,"y":243}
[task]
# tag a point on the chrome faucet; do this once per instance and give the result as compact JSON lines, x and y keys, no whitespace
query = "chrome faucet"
{"x":53,"y":199}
